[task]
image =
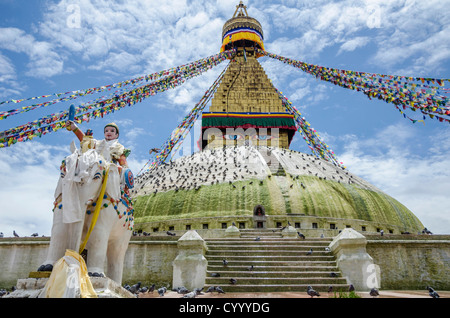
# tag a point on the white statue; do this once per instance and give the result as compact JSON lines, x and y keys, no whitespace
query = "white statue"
{"x":94,"y":184}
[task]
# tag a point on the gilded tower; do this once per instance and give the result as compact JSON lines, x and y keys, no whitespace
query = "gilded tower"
{"x":246,"y":108}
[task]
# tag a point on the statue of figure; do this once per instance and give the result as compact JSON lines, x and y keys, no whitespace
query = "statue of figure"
{"x":93,"y":210}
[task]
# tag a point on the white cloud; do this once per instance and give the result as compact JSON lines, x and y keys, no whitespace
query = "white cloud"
{"x":353,"y":44}
{"x":29,"y":173}
{"x":43,"y":60}
{"x":421,"y":183}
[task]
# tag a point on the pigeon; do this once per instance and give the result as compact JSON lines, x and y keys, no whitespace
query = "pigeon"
{"x":182,"y":290}
{"x":152,"y":288}
{"x":374,"y":292}
{"x":333,"y":274}
{"x":143,"y":289}
{"x":225,"y":262}
{"x":198,"y":291}
{"x":381,"y":232}
{"x":301,"y":235}
{"x":327,"y":249}
{"x":257,"y":238}
{"x":351,"y":288}
{"x":250,"y":268}
{"x":161,"y":291}
{"x":309,"y":252}
{"x":220,"y":290}
{"x":135,"y":288}
{"x":215,"y":275}
{"x":311,"y":292}
{"x":330,"y":289}
{"x":233,"y":281}
{"x":34,"y":235}
{"x":210,"y":289}
{"x":192,"y":294}
{"x":170,"y":233}
{"x":15,"y":234}
{"x":432,"y":292}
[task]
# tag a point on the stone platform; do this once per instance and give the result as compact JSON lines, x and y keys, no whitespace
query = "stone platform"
{"x":31,"y":287}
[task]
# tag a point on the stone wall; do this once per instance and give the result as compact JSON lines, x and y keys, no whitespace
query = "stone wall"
{"x":411,"y":261}
{"x":406,"y":261}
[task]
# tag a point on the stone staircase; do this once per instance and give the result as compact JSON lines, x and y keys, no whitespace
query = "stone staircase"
{"x":279,"y":264}
{"x":272,"y":162}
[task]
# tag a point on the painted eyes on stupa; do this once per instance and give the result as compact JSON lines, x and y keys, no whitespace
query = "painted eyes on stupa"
{"x":98,"y":175}
{"x":256,"y":137}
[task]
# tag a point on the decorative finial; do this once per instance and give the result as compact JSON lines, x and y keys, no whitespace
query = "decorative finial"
{"x":241,"y":12}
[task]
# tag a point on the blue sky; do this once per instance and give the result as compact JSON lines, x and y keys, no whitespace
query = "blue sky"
{"x":58,"y":46}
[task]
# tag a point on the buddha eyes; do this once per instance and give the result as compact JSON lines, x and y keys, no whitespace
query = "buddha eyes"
{"x":98,"y":175}
{"x":238,"y":137}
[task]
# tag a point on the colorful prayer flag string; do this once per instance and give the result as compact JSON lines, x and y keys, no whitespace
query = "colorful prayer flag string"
{"x":172,"y":144}
{"x":164,"y":80}
{"x":403,"y":91}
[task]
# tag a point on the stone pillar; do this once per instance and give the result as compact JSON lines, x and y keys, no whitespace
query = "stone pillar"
{"x":189,"y":267}
{"x":356,"y":265}
{"x":289,"y":231}
{"x":232,"y":231}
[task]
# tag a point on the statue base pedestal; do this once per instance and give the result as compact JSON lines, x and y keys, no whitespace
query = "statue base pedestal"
{"x":31,"y":287}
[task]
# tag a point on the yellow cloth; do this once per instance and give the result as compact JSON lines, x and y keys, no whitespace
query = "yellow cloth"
{"x":69,"y":279}
{"x":97,"y":210}
{"x":242,"y":36}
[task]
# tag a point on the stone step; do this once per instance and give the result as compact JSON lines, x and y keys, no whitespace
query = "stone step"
{"x":299,"y":248}
{"x":268,"y":240}
{"x":268,"y":252}
{"x":217,"y":267}
{"x":260,"y":272}
{"x":280,"y":258}
{"x":261,"y":281}
{"x":321,"y":288}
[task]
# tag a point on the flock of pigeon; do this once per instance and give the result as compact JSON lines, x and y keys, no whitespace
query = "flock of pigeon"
{"x":17,"y":235}
{"x":229,"y":164}
{"x":137,"y":290}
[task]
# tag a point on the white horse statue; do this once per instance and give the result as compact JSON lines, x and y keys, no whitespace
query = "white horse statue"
{"x":92,"y":212}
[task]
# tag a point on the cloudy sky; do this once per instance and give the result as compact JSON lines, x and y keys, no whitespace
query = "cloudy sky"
{"x":51,"y":47}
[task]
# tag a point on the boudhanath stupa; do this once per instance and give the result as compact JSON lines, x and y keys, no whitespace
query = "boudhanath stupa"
{"x":246,"y":175}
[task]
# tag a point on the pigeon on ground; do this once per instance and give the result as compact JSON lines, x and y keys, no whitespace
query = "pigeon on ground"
{"x":143,"y":289}
{"x":34,"y":234}
{"x":134,"y":289}
{"x":215,"y":275}
{"x":330,"y":289}
{"x":152,"y":288}
{"x":301,"y":235}
{"x":225,"y":262}
{"x":351,"y":288}
{"x":192,"y":294}
{"x":219,"y":290}
{"x":250,"y":268}
{"x":161,"y":291}
{"x":432,"y":292}
{"x":182,"y":290}
{"x":233,"y":281}
{"x":309,"y":252}
{"x":257,"y":238}
{"x":374,"y":292}
{"x":311,"y":292}
{"x":210,"y":289}
{"x":170,"y":233}
{"x":198,"y":291}
{"x":333,"y":274}
{"x":15,"y":234}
